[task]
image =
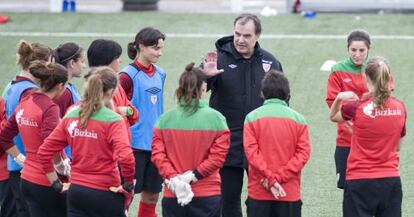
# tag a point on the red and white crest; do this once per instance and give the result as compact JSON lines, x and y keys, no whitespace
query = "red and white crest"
{"x":266,"y":66}
{"x":154,"y":99}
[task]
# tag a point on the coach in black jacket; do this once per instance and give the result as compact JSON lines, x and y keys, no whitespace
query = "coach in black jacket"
{"x":235,"y":92}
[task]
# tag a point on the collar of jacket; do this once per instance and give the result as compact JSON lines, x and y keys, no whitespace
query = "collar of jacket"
{"x":202,"y":103}
{"x":275,"y":101}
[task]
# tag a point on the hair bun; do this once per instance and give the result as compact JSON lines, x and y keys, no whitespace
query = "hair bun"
{"x":189,"y":67}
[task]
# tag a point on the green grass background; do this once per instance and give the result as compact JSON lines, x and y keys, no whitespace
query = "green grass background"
{"x":301,"y":60}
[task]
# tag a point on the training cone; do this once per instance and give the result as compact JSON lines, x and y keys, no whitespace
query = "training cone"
{"x":4,"y":19}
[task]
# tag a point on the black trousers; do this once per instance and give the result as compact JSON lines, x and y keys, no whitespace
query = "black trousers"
{"x":267,"y":208}
{"x":7,"y":202}
{"x":341,"y":158}
{"x":198,"y":207}
{"x":22,"y":209}
{"x":88,"y":202}
{"x":231,"y":189}
{"x":373,"y":197}
{"x":146,"y":173}
{"x":43,"y":201}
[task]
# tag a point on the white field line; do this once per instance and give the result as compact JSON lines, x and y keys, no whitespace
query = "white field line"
{"x":191,"y":35}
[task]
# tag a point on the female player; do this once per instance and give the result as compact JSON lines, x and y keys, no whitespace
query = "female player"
{"x":189,"y":146}
{"x":373,"y":185}
{"x":347,"y":75}
{"x":143,"y":83}
{"x":104,"y":52}
{"x":34,"y":118}
{"x":72,"y":56}
{"x":100,"y":149}
{"x":16,"y":90}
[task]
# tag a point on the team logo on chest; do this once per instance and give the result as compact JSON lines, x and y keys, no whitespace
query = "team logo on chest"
{"x":21,"y":121}
{"x":266,"y":65}
{"x":371,"y":111}
{"x":153,"y":91}
{"x":76,"y":132}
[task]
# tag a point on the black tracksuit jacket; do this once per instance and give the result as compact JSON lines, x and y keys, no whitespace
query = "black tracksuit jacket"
{"x":236,"y":92}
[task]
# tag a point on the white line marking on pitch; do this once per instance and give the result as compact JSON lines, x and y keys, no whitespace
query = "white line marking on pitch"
{"x":191,"y":35}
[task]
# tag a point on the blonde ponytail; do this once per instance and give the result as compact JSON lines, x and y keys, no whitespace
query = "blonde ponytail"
{"x":378,"y":71}
{"x":98,"y":83}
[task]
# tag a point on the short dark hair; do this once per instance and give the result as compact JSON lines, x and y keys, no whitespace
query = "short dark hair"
{"x":359,"y":35}
{"x":102,"y":52}
{"x":275,"y":85}
{"x":246,"y":17}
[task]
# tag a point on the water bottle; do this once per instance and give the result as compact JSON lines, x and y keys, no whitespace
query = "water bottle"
{"x":309,"y":14}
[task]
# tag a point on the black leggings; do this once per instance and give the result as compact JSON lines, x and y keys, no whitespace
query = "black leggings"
{"x":43,"y":201}
{"x":7,"y":202}
{"x":231,"y":189}
{"x":88,"y":202}
{"x":22,"y":209}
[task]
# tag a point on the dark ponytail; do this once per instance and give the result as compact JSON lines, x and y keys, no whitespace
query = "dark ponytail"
{"x":147,"y":36}
{"x":101,"y":80}
{"x":189,"y":88}
{"x":48,"y":74}
{"x":132,"y":51}
{"x":29,"y":52}
{"x":378,"y":72}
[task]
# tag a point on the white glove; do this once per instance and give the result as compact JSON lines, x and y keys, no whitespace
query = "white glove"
{"x":63,"y":167}
{"x":188,"y":177}
{"x":181,"y":189}
{"x":20,"y":159}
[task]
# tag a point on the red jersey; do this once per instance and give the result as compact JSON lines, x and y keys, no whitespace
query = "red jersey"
{"x":4,"y":174}
{"x":64,"y":101}
{"x":277,"y":147}
{"x":121,"y":99}
{"x":199,"y":141}
{"x":375,"y":138}
{"x":345,"y":76}
{"x":34,"y":118}
{"x":96,"y":150}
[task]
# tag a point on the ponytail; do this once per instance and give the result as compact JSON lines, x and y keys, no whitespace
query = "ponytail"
{"x":132,"y":51}
{"x":98,"y":83}
{"x":189,"y":88}
{"x":48,"y":74}
{"x":29,"y":52}
{"x":378,"y":72}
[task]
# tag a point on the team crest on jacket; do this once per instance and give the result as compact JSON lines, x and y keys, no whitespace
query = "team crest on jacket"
{"x":266,"y":65}
{"x":21,"y":121}
{"x":76,"y":132}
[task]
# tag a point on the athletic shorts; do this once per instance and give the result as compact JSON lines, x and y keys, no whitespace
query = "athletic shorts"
{"x":146,"y":174}
{"x":269,"y":208}
{"x":373,"y":197}
{"x":198,"y":207}
{"x":341,"y":158}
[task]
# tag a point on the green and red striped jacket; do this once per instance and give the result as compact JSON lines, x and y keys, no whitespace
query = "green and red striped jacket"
{"x":99,"y":152}
{"x":277,"y":147}
{"x":345,"y":76}
{"x":191,"y":141}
